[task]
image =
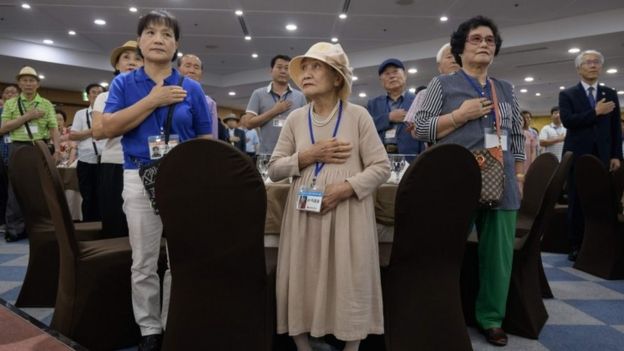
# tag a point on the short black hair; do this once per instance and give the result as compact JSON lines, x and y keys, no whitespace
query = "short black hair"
{"x":279,"y":57}
{"x":93,"y":85}
{"x":11,"y":85}
{"x":554,"y":109}
{"x":523,"y":112}
{"x":422,"y":87}
{"x":179,"y":62}
{"x":459,"y":37}
{"x":61,"y":112}
{"x":162,"y":17}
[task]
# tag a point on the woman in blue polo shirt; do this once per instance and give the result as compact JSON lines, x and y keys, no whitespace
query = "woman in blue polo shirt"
{"x":137,"y":108}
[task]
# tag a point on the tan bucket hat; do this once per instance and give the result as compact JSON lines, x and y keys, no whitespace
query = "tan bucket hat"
{"x":129,"y":45}
{"x":27,"y":71}
{"x":231,"y":116}
{"x":331,"y":54}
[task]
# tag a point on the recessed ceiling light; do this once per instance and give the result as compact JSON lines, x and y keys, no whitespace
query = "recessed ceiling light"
{"x":41,"y":76}
{"x":71,"y":32}
{"x":601,"y":84}
{"x":523,"y":91}
{"x":104,"y":84}
{"x":412,"y":90}
{"x":528,"y":79}
{"x":362,"y":95}
{"x":247,"y":37}
{"x":291,"y":27}
{"x":254,"y":55}
{"x":238,"y":12}
{"x":334,"y":40}
{"x":621,"y":92}
{"x":443,"y":19}
{"x":99,"y":22}
{"x":412,"y":70}
{"x":342,"y":16}
{"x":26,"y":6}
{"x":612,"y":71}
{"x":561,"y":87}
{"x":180,"y":54}
{"x":574,"y":50}
{"x":354,"y":78}
{"x":538,"y":94}
{"x":232,"y":93}
{"x":48,"y":41}
{"x":133,"y":9}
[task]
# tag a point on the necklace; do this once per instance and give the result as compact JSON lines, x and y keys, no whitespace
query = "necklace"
{"x":321,"y":122}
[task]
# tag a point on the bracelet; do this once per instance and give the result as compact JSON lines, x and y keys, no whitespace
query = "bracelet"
{"x":453,"y":121}
{"x":520,"y":176}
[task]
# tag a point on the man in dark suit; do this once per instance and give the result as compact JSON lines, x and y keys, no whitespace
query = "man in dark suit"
{"x":591,"y":114}
{"x":236,"y":136}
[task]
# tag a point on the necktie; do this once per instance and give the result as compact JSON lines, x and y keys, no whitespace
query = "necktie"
{"x":590,"y":96}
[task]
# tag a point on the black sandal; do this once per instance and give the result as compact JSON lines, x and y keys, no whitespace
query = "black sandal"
{"x":495,"y":336}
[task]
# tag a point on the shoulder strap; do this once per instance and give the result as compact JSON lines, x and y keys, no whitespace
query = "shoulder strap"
{"x":21,"y":110}
{"x":497,"y":118}
{"x":170,"y":115}
{"x":87,"y":114}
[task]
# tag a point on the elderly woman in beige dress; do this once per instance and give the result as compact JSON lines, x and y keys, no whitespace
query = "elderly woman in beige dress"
{"x":328,"y":278}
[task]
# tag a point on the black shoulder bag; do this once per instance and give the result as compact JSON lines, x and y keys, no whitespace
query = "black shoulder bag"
{"x":148,"y":172}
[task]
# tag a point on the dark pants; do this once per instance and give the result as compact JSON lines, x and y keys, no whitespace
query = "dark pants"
{"x":4,"y":191}
{"x":114,"y":222}
{"x":88,"y":175}
{"x":14,"y":220}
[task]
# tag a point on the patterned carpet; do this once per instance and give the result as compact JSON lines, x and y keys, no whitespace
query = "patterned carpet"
{"x":586,"y":314}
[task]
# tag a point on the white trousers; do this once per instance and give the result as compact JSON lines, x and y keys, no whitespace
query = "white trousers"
{"x":145,"y":231}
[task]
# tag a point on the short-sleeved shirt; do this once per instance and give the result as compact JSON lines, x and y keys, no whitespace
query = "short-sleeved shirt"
{"x":191,"y":117}
{"x":112,"y":151}
{"x":262,"y":100}
{"x":43,"y":125}
{"x":251,"y":141}
{"x":86,"y":148}
{"x":551,"y":131}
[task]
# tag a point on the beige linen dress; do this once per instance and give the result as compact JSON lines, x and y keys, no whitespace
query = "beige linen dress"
{"x":328,"y":276}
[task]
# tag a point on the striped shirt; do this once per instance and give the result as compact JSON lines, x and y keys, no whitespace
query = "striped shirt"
{"x":445,"y":94}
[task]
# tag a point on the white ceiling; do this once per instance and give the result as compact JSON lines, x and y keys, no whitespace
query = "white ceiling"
{"x":536,"y":34}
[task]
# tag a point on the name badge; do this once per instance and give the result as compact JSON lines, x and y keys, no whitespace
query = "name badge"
{"x":7,"y":138}
{"x":309,"y":199}
{"x":33,"y":129}
{"x":158,"y":148}
{"x":491,"y":139}
{"x":278,"y":122}
{"x":391,"y":133}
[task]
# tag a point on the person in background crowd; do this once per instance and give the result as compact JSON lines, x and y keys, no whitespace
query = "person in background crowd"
{"x":552,"y":135}
{"x":591,"y":115}
{"x":531,"y":144}
{"x":446,"y":65}
{"x":251,"y":143}
{"x":328,"y":280}
{"x":67,"y":147}
{"x":460,"y":109}
{"x":9,"y":92}
{"x":137,"y":107}
{"x":269,"y":106}
{"x":123,"y":59}
{"x":27,"y":117}
{"x":191,"y":66}
{"x":236,"y":136}
{"x":89,"y":156}
{"x":389,"y":110}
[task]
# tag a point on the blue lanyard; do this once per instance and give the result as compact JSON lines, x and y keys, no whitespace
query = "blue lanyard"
{"x":389,"y":105}
{"x":483,"y":93}
{"x":319,"y":165}
{"x":277,"y":98}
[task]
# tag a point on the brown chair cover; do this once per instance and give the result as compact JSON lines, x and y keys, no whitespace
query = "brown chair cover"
{"x":41,"y":280}
{"x":602,"y":250}
{"x":555,"y":238}
{"x":212,"y":202}
{"x":93,"y":304}
{"x":435,"y":203}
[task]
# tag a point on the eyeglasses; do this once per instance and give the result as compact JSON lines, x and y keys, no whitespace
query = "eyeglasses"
{"x":592,"y":62}
{"x":476,"y":39}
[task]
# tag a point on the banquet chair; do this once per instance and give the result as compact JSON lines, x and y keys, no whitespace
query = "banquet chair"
{"x":93,"y":302}
{"x":41,"y":280}
{"x":435,"y":203}
{"x":602,"y":250}
{"x":212,"y":202}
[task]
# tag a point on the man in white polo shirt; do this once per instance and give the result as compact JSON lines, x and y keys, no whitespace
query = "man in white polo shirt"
{"x":89,"y":153}
{"x":552,"y":135}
